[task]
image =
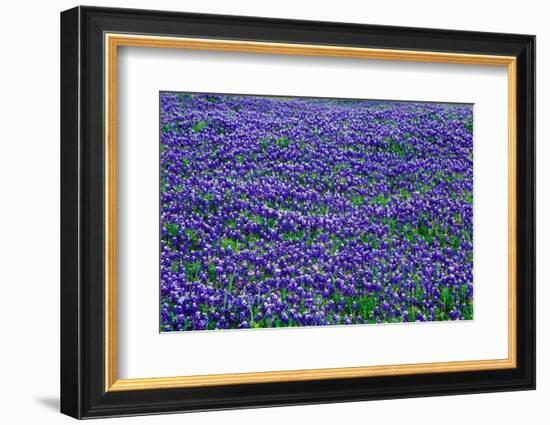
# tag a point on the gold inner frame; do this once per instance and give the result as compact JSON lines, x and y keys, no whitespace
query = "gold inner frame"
{"x":113,"y":41}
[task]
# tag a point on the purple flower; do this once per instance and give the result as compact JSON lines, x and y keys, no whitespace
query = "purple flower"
{"x":308,"y":212}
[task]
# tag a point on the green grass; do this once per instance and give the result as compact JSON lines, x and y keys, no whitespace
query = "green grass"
{"x":264,"y":144}
{"x":357,"y":200}
{"x":230,"y":243}
{"x":381,"y":200}
{"x":396,"y":148}
{"x":172,"y":228}
{"x":282,"y":142}
{"x":192,"y":270}
{"x":199,"y":126}
{"x":212,"y":274}
{"x":193,"y":238}
{"x":295,"y":236}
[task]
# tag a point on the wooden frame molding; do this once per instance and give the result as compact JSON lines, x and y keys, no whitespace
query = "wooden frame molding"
{"x":114,"y":40}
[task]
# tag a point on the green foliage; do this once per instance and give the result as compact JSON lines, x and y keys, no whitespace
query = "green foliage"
{"x":357,"y":200}
{"x":454,"y":242}
{"x":282,"y":142}
{"x":258,"y":219}
{"x":448,"y":300}
{"x":404,"y":193}
{"x":175,"y":266}
{"x":423,"y":230}
{"x":323,"y":209}
{"x":232,"y":223}
{"x":192,"y":270}
{"x":366,"y":238}
{"x":295,"y":236}
{"x":312,"y":236}
{"x":396,"y":148}
{"x":264,"y":144}
{"x":212,"y":274}
{"x":337,"y":244}
{"x":163,"y":182}
{"x":172,"y":228}
{"x":410,"y":234}
{"x":182,"y":97}
{"x":193,"y":238}
{"x":340,"y":167}
{"x":381,"y":200}
{"x":252,"y":238}
{"x":200,"y":125}
{"x":469,"y":197}
{"x":365,"y":306}
{"x":230,"y":243}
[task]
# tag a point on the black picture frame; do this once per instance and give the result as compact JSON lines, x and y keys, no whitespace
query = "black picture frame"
{"x":83,"y":392}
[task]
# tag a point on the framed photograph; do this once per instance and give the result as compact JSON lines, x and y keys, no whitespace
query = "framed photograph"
{"x":261,"y":212}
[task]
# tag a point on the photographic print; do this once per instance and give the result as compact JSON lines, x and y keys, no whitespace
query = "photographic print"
{"x":295,"y":211}
{"x":311,"y":212}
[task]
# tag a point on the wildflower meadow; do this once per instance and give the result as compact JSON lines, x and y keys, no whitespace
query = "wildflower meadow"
{"x":286,"y":211}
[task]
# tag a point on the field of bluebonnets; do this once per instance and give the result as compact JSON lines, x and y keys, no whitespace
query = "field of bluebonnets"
{"x":281,"y":212}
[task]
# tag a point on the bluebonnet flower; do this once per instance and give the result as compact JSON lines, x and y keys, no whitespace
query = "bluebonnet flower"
{"x":308,"y":212}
